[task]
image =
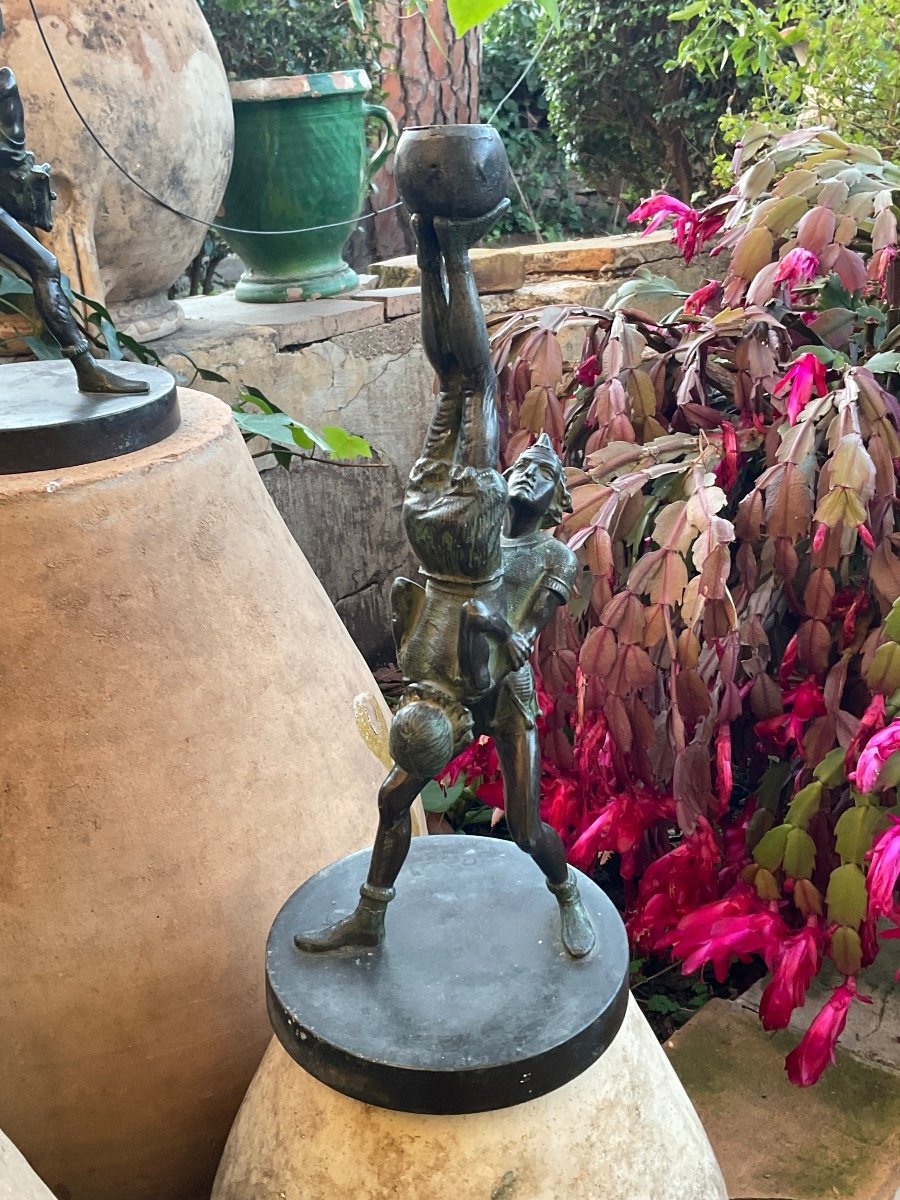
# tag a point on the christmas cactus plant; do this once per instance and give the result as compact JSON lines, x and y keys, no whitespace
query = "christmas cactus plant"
{"x":722,"y":697}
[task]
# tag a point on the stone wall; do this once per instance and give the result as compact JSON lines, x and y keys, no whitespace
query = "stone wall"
{"x":358,"y":362}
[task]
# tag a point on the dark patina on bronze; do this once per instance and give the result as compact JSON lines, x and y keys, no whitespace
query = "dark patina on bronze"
{"x":45,"y":424}
{"x":493,"y":573}
{"x":470,"y":1005}
{"x":26,"y":200}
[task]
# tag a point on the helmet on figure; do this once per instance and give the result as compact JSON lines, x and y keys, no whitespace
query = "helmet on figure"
{"x":541,"y":455}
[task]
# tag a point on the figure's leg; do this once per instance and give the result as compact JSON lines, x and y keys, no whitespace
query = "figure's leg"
{"x":407,"y":601}
{"x":477,"y":624}
{"x":479,"y":435}
{"x":18,"y":245}
{"x":474,"y":648}
{"x":519,"y":755}
{"x":365,"y":925}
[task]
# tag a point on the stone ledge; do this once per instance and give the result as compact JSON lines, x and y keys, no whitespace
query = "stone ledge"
{"x":872,"y":1031}
{"x":297,"y":324}
{"x":397,"y":301}
{"x":500,"y":270}
{"x":599,"y":255}
{"x":839,"y":1140}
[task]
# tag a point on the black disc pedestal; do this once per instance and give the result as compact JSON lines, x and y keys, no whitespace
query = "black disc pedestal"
{"x":47,"y":424}
{"x":471,"y":1004}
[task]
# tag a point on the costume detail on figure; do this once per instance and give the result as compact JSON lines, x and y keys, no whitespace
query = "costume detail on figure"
{"x":25,"y":199}
{"x":464,"y":635}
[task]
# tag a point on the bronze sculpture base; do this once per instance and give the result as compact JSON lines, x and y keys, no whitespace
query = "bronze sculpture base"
{"x":470,"y":1004}
{"x":47,"y":424}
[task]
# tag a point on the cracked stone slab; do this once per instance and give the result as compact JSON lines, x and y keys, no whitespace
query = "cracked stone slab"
{"x":839,"y":1140}
{"x":294,"y":324}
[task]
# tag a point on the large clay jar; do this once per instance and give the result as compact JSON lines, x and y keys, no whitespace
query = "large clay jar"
{"x":148,"y":78}
{"x":623,"y":1130}
{"x":183,"y":742}
{"x":17,"y":1180}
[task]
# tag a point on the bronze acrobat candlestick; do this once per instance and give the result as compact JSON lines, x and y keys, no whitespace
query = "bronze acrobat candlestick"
{"x":26,"y":199}
{"x":464,"y":639}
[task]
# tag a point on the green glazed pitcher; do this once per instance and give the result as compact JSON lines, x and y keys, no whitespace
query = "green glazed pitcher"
{"x":300,"y":163}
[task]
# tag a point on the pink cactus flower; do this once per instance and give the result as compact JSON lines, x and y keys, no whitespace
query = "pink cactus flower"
{"x":805,"y":376}
{"x":879,"y":749}
{"x":738,"y":926}
{"x":704,"y":295}
{"x":808,"y":1060}
{"x":797,"y":267}
{"x":799,"y":959}
{"x":884,"y":871}
{"x":691,"y":228}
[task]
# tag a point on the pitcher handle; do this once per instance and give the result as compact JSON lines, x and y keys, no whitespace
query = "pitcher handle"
{"x":388,"y":142}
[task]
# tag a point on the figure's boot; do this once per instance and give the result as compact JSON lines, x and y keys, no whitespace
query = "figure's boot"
{"x":577,"y":931}
{"x":363,"y":927}
{"x":99,"y":380}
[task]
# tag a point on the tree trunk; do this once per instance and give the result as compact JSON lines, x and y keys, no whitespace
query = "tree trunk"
{"x":430,"y":78}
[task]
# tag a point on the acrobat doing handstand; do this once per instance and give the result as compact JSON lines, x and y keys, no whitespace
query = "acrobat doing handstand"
{"x":465,"y":638}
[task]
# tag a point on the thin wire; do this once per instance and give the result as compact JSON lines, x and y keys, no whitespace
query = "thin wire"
{"x":528,"y":67}
{"x":164,"y":203}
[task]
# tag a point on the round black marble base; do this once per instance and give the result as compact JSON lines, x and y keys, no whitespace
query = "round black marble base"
{"x":46,"y":423}
{"x":471,"y":1004}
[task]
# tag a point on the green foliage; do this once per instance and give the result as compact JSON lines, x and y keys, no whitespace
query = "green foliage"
{"x":268,"y":38}
{"x":257,"y":416}
{"x":619,"y":113}
{"x":734,"y":480}
{"x":547,"y":202}
{"x":466,"y":14}
{"x":833,"y":61}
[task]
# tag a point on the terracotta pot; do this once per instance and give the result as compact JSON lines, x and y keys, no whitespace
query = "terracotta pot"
{"x":147,"y":76}
{"x":180,"y":748}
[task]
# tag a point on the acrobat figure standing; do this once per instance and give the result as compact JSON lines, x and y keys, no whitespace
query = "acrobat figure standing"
{"x":465,"y":638}
{"x":26,"y":199}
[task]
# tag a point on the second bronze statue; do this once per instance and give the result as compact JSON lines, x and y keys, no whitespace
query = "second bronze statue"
{"x":493,"y":573}
{"x":25,"y":200}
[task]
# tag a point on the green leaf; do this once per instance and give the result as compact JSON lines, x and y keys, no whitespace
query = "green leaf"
{"x":771,"y":785}
{"x":830,"y":770}
{"x":44,"y":350}
{"x":689,"y":11}
{"x":357,"y":13}
{"x":892,"y":622}
{"x":770,"y":851}
{"x":12,"y":285}
{"x":436,"y":800}
{"x":883,"y":364}
{"x":466,"y":14}
{"x":551,"y":8}
{"x":644,"y":285}
{"x":799,"y":854}
{"x":211,"y":376}
{"x":662,"y":1004}
{"x":804,"y":806}
{"x":847,"y":897}
{"x":854,"y":832}
{"x":834,"y":294}
{"x":342,"y":444}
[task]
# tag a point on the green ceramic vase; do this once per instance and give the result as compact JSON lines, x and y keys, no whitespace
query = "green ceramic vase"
{"x":301,"y":162}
